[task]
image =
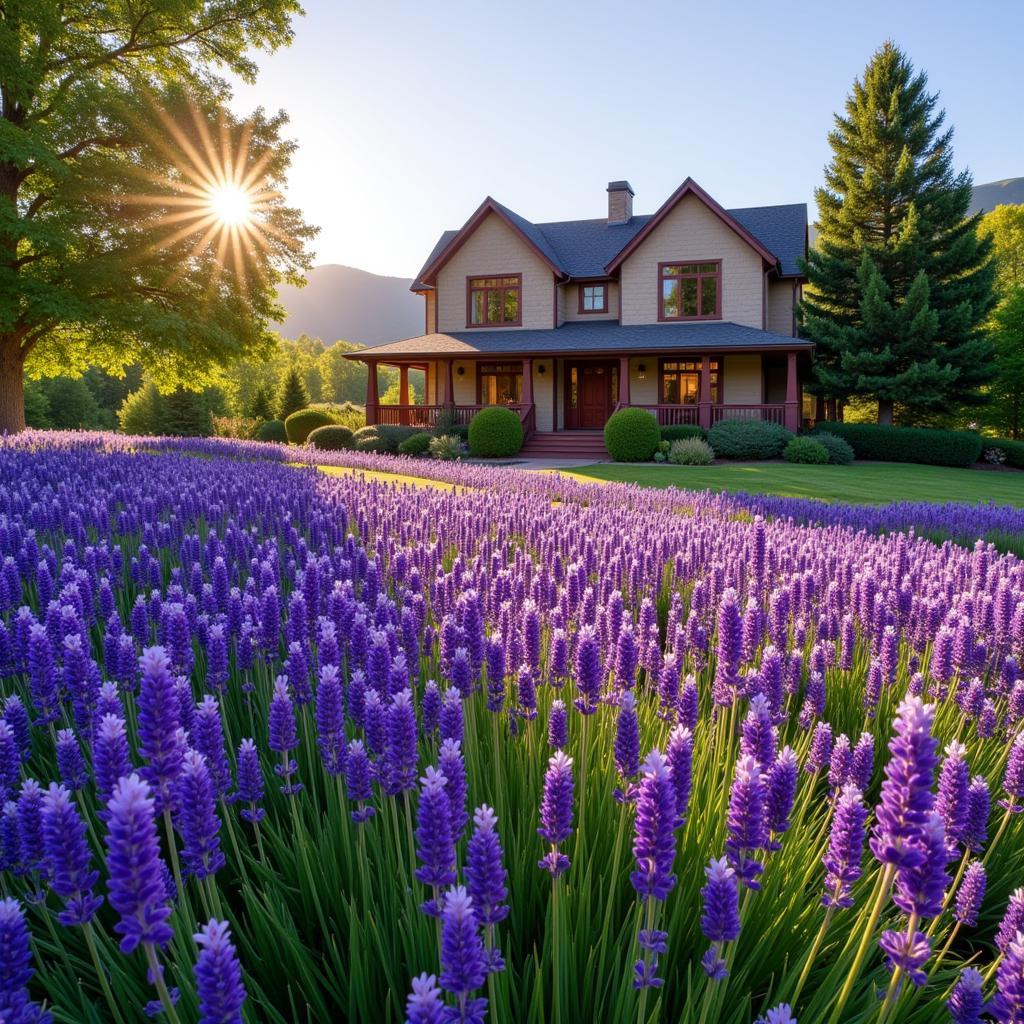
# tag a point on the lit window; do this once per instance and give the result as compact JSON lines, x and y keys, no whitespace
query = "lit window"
{"x":494,"y":301}
{"x":499,"y":383}
{"x":680,"y":381}
{"x":690,"y":291}
{"x":593,"y":298}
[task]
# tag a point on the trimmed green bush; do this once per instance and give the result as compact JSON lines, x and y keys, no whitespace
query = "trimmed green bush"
{"x":495,"y":432}
{"x":691,"y":451}
{"x":332,"y":438}
{"x":908,"y":444}
{"x":631,"y":435}
{"x":1012,"y":450}
{"x":839,"y":452}
{"x":345,"y":414}
{"x":681,"y":432}
{"x":446,"y":447}
{"x":806,"y":451}
{"x":302,"y":423}
{"x":272,"y":430}
{"x":748,"y":440}
{"x":395,"y":434}
{"x":418,"y":444}
{"x":375,"y":445}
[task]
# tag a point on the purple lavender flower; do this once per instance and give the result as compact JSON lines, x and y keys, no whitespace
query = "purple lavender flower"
{"x":845,"y":848}
{"x":197,"y":818}
{"x":451,"y":716}
{"x":219,"y":986}
{"x":951,"y":800}
{"x":10,"y":762}
{"x":161,"y":742}
{"x":966,"y":1002}
{"x":558,"y":725}
{"x":207,"y":736}
{"x":921,"y":885}
{"x":424,"y":1004}
{"x":587,"y":671}
{"x":820,"y":751}
{"x":1013,"y":778}
{"x":250,"y":783}
{"x":136,"y":872}
{"x":654,"y":844}
{"x":689,"y":703}
{"x":16,"y":717}
{"x":720,"y":918}
{"x":679,"y":755}
{"x":745,"y":823}
{"x":862,"y":765}
{"x":840,"y":763}
{"x":908,"y":952}
{"x":975,"y":830}
{"x":627,"y":737}
{"x":486,"y":877}
{"x":970,"y":894}
{"x":781,"y":781}
{"x":758,"y":736}
{"x":30,"y":826}
{"x":435,"y":847}
{"x":1012,"y":922}
{"x":556,"y":812}
{"x":330,"y":720}
{"x":111,"y":760}
{"x":463,"y":960}
{"x":1008,"y":1005}
{"x":430,"y":709}
{"x":16,"y":967}
{"x":729,"y":649}
{"x":283,"y":735}
{"x":42,"y":676}
{"x":68,"y":860}
{"x":453,"y":768}
{"x":358,"y":775}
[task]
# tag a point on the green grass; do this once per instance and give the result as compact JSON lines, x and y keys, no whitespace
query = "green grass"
{"x":861,"y":483}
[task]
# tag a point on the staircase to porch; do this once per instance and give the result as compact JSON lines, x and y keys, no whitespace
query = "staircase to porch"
{"x":565,"y":444}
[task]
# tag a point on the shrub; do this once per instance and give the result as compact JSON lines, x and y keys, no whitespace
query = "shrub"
{"x":376,"y":445}
{"x":241,"y":427}
{"x":691,"y":451}
{"x":300,"y":424}
{"x":446,"y":447}
{"x":345,"y":414}
{"x":681,"y":431}
{"x":748,"y":439}
{"x":631,"y":435}
{"x":418,"y":444}
{"x":495,"y":432}
{"x":272,"y":430}
{"x":659,"y":456}
{"x":839,"y":452}
{"x":908,"y":444}
{"x":395,"y":434}
{"x":332,"y":438}
{"x":805,"y":450}
{"x":1013,"y":451}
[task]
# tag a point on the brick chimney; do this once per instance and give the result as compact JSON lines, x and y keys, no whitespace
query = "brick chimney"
{"x":620,"y":202}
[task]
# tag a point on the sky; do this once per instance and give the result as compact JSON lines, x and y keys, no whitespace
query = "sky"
{"x":407,"y":114}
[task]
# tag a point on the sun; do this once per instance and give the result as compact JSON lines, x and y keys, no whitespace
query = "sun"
{"x":231,"y":204}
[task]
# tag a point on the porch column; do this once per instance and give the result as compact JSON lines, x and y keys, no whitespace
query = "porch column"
{"x":819,"y":409}
{"x":623,"y":380}
{"x":449,"y":384}
{"x":403,"y":394}
{"x":792,"y":414}
{"x":372,"y":398}
{"x":704,"y":394}
{"x":527,"y":398}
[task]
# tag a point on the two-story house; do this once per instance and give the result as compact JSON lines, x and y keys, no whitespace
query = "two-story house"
{"x":688,"y":312}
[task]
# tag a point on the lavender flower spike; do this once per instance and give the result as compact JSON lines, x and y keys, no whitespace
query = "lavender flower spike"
{"x":424,"y":1004}
{"x":556,"y":812}
{"x":966,"y":1002}
{"x":68,"y":859}
{"x":218,"y":975}
{"x":434,"y":846}
{"x":654,"y":838}
{"x":845,"y":848}
{"x":720,"y":919}
{"x":463,"y":960}
{"x":486,"y":879}
{"x":1008,"y":1005}
{"x":16,"y":968}
{"x":970,"y":894}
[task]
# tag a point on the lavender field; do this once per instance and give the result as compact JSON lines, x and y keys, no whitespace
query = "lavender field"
{"x":278,"y":746}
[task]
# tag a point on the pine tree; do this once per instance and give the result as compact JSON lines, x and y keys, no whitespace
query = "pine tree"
{"x":900,"y":282}
{"x":261,"y":409}
{"x":293,"y":395}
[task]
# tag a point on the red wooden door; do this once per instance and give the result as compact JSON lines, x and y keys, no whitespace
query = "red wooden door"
{"x":595,"y":395}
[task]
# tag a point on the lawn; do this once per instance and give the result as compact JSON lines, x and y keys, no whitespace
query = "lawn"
{"x":861,"y":483}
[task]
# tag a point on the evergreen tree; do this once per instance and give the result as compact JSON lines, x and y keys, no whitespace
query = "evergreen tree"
{"x":900,"y":282}
{"x":261,"y":409}
{"x":293,"y":395}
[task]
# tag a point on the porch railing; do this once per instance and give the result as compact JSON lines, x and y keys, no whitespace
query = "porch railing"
{"x":672,"y":415}
{"x":709,"y":415}
{"x":428,"y":416}
{"x":775,"y":413}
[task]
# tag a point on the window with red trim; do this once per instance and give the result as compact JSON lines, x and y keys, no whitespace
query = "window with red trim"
{"x":494,"y":301}
{"x":680,"y":381}
{"x":690,"y":291}
{"x":593,"y":298}
{"x":499,"y":383}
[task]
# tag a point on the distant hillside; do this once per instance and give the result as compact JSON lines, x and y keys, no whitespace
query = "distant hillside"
{"x":1009,"y":191}
{"x":343,"y":303}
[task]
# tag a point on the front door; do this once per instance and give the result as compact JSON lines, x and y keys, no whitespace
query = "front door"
{"x":590,"y":394}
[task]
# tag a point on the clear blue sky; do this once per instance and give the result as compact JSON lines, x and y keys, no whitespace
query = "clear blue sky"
{"x":408,"y":114}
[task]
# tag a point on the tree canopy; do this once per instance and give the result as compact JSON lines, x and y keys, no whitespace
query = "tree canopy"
{"x":114,"y":138}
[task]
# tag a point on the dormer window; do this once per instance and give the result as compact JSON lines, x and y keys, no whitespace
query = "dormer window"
{"x":690,"y":291}
{"x":494,"y":301}
{"x":593,"y":298}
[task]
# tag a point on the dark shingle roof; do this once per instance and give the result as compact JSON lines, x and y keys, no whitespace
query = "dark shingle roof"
{"x":583,"y":248}
{"x":589,"y":336}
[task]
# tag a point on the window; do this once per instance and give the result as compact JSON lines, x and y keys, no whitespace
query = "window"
{"x":499,"y":383}
{"x":680,"y":382}
{"x":690,"y":291}
{"x":494,"y":301}
{"x":593,"y":298}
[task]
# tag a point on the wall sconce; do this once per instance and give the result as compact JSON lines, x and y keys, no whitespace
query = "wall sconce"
{"x":641,"y":371}
{"x":460,"y":370}
{"x":541,"y":368}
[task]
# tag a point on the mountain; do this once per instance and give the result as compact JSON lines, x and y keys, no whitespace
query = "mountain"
{"x":343,"y":303}
{"x":1009,"y":191}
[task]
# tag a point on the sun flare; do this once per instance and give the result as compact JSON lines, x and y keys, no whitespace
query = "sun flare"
{"x":231,"y":204}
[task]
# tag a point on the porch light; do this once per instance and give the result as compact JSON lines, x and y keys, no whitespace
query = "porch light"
{"x":460,"y":370}
{"x":542,"y":368}
{"x":641,"y":371}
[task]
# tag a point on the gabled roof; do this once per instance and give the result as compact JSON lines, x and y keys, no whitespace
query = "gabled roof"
{"x":597,"y":336}
{"x":690,"y":187}
{"x":583,"y":249}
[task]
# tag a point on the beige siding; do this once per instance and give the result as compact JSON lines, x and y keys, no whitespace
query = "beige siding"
{"x":431,"y":312}
{"x":692,"y":232}
{"x":643,"y":392}
{"x":569,"y":303}
{"x":780,"y":307}
{"x":742,"y":373}
{"x":543,"y":393}
{"x":494,"y":249}
{"x":465,"y":385}
{"x":431,"y":385}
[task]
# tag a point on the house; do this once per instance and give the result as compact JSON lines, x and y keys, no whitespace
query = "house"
{"x":688,"y":312}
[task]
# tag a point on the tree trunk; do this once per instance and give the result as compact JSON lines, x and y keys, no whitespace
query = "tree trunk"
{"x":885,"y":412}
{"x":12,"y":386}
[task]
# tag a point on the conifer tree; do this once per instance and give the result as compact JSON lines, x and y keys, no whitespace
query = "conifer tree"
{"x":261,"y":408}
{"x":900,"y":282}
{"x":293,"y":395}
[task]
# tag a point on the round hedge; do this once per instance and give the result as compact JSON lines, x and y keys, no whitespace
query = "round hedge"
{"x":272,"y":430}
{"x":332,"y":438}
{"x":302,"y":423}
{"x":805,"y":450}
{"x":839,"y":452}
{"x":495,"y":432}
{"x":681,"y":431}
{"x":749,"y":440}
{"x":690,"y":451}
{"x":418,"y":444}
{"x":631,"y":435}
